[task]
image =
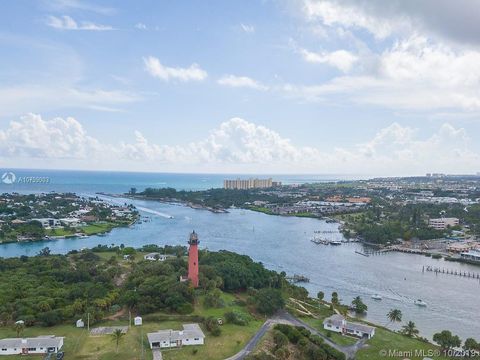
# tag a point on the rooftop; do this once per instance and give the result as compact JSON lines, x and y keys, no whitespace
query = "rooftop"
{"x":189,"y":331}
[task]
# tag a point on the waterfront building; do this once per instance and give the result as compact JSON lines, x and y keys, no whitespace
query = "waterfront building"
{"x":443,"y":223}
{"x":193,"y":258}
{"x":252,"y":183}
{"x":191,"y":334}
{"x":472,"y":255}
{"x":337,"y":323}
{"x":36,"y":345}
{"x":48,"y":222}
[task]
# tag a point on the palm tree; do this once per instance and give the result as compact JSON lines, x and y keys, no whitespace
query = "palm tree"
{"x":19,"y":327}
{"x":410,"y":329}
{"x":394,"y":315}
{"x":117,"y":336}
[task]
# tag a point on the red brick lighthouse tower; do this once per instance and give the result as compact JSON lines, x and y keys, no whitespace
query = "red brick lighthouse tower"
{"x":193,"y":259}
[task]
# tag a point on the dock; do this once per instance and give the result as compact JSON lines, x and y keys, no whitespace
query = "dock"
{"x":298,"y":279}
{"x":438,"y":270}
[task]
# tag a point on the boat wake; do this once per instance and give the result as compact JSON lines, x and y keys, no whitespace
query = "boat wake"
{"x":154,"y":212}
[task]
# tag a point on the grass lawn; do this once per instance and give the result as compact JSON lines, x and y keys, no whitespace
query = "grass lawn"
{"x":231,"y":341}
{"x":388,"y":340}
{"x":79,"y":345}
{"x":98,"y":228}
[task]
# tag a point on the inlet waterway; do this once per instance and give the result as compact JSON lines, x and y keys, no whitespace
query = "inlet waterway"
{"x":283,"y":244}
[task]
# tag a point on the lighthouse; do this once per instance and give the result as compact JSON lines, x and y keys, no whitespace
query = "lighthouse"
{"x":193,"y":259}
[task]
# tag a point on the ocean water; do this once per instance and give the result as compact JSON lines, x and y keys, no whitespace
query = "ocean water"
{"x":121,"y":182}
{"x":281,"y":244}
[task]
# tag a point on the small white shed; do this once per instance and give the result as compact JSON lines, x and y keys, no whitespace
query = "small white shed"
{"x":138,"y":321}
{"x":80,"y":323}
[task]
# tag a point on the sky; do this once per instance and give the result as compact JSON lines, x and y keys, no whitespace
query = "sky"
{"x":288,"y":86}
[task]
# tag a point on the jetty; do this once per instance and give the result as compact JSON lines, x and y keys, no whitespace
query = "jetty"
{"x":455,"y":272}
{"x":361,"y":253}
{"x":298,"y":279}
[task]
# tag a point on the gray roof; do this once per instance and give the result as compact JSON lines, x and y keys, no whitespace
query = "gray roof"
{"x":189,"y":331}
{"x":41,"y":341}
{"x":335,"y":320}
{"x":360,"y":327}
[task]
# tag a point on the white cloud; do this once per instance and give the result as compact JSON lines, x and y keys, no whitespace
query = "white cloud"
{"x":79,"y":5}
{"x":140,"y":26}
{"x":238,"y":144}
{"x":67,"y":23}
{"x":13,"y":99}
{"x":458,"y":21}
{"x":156,"y":69}
{"x":241,"y":81}
{"x":34,"y":137}
{"x":341,"y":59}
{"x":249,"y":29}
{"x":333,"y":13}
{"x":421,"y":67}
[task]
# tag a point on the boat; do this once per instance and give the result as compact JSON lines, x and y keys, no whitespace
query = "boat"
{"x":420,"y":302}
{"x":335,"y":242}
{"x":318,"y":241}
{"x":376,"y":297}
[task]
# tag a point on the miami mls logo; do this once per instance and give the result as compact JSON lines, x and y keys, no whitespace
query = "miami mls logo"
{"x":8,"y":178}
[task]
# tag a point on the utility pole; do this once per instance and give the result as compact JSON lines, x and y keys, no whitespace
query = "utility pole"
{"x":88,"y":322}
{"x":141,"y":341}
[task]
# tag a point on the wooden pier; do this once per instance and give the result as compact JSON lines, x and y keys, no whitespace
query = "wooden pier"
{"x":297,"y":278}
{"x":438,"y":270}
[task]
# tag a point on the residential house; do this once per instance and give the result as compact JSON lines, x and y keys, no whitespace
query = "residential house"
{"x":155,"y":256}
{"x":37,"y":345}
{"x":337,"y":323}
{"x":191,"y":334}
{"x":49,"y":222}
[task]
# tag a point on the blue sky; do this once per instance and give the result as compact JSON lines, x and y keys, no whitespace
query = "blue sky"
{"x":308,"y":86}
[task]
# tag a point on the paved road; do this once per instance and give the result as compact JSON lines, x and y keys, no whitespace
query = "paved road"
{"x":284,"y":317}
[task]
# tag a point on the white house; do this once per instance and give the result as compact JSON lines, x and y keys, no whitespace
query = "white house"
{"x":155,"y":256}
{"x":190,"y":335}
{"x":337,"y":323}
{"x":72,"y":222}
{"x":48,"y":222}
{"x":80,"y":323}
{"x":37,"y":345}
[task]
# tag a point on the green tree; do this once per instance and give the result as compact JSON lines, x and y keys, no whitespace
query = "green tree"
{"x":335,"y":300}
{"x":268,"y":301}
{"x":472,"y":346}
{"x":320,"y":295}
{"x":44,"y":252}
{"x":410,"y":329}
{"x":280,"y":339}
{"x":19,"y":327}
{"x":359,"y":306}
{"x":117,"y":336}
{"x":394,"y":315}
{"x":447,"y":340}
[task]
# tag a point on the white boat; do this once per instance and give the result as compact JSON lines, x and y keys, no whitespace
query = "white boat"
{"x":376,"y":297}
{"x":420,"y":302}
{"x":335,"y":242}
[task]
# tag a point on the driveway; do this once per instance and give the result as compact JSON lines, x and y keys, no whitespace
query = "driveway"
{"x":283,"y":317}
